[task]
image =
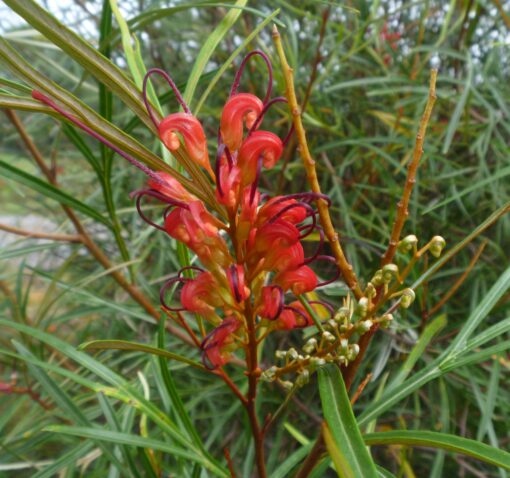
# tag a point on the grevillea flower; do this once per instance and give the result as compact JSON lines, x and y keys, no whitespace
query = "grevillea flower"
{"x":241,"y":109}
{"x":249,"y":249}
{"x":185,"y":125}
{"x":260,"y":146}
{"x":215,"y":346}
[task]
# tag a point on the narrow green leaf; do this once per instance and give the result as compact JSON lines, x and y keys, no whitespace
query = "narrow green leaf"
{"x":444,"y":441}
{"x":84,"y":53}
{"x":430,"y":331}
{"x":65,"y":460}
{"x":209,"y":46}
{"x":350,"y":455}
{"x":133,"y":346}
{"x":49,"y":191}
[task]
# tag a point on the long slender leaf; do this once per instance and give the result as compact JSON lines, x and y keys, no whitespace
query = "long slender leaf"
{"x":456,"y":444}
{"x":350,"y":455}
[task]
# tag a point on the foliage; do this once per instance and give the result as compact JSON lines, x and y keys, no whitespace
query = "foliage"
{"x":136,"y":392}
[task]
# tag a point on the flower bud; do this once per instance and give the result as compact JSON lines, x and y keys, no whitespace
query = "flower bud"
{"x":310,"y":345}
{"x":353,"y":352}
{"x":280,"y":354}
{"x":317,"y":362}
{"x":342,"y":314}
{"x":364,"y":326}
{"x":389,"y":271}
{"x":437,"y":244}
{"x":386,"y":320}
{"x":292,"y":354}
{"x":377,"y":280}
{"x":303,"y":378}
{"x":407,"y":298}
{"x":408,"y":243}
{"x":362,"y":307}
{"x":344,"y":344}
{"x":269,"y":375}
{"x":328,"y":337}
{"x":287,"y":385}
{"x":370,"y":291}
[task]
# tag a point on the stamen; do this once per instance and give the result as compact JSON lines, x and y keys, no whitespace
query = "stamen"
{"x":237,"y":78}
{"x":260,"y":117}
{"x":305,"y":206}
{"x":333,"y":261}
{"x":176,"y":91}
{"x":289,"y":135}
{"x":37,"y":95}
{"x":301,"y":313}
{"x":307,"y":196}
{"x":319,"y":248}
{"x":163,"y":289}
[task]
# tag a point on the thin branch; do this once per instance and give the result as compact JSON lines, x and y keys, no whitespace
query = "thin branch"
{"x":309,"y":164}
{"x":403,"y":204}
{"x":41,"y":235}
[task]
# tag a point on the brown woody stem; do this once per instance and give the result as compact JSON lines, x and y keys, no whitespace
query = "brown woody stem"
{"x":309,"y":164}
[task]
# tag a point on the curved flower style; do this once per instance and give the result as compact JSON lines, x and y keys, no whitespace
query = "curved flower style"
{"x":255,"y":259}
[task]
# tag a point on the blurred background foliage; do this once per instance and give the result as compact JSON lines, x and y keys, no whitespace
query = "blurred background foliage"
{"x":364,"y":68}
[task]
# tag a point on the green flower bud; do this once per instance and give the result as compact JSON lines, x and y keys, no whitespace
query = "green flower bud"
{"x":389,"y":271}
{"x":344,"y":344}
{"x":310,"y":345}
{"x":437,"y":244}
{"x":317,"y":361}
{"x":328,"y":337}
{"x":287,"y":385}
{"x":370,"y":291}
{"x":292,"y":354}
{"x":342,"y":314}
{"x":303,"y":378}
{"x":362,"y":307}
{"x":386,"y":320}
{"x":269,"y":375}
{"x":353,"y":352}
{"x":408,"y":243}
{"x":378,"y":279}
{"x":363,"y":326}
{"x":407,"y":298}
{"x":280,"y":354}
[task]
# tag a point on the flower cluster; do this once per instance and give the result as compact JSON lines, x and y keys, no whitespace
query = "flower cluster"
{"x":251,"y":259}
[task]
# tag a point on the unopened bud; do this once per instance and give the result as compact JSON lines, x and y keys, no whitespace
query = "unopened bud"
{"x":328,"y":337}
{"x":310,"y":345}
{"x":363,"y":326}
{"x":437,"y":244}
{"x":292,"y":354}
{"x":269,"y":375}
{"x":303,"y":378}
{"x":287,"y":385}
{"x":389,"y":271}
{"x":280,"y":354}
{"x":362,"y":307}
{"x":344,"y":344}
{"x":370,"y":291}
{"x":386,"y":320}
{"x":378,"y":279}
{"x":317,"y":361}
{"x":342,"y":314}
{"x":407,"y":299}
{"x":408,"y":243}
{"x":353,"y":352}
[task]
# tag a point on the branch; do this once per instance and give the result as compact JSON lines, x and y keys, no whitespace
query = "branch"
{"x":309,"y":164}
{"x":41,"y":235}
{"x":403,"y":204}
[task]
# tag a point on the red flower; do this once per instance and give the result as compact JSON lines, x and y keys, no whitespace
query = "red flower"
{"x":214,"y":347}
{"x":199,"y":230}
{"x":293,"y":316}
{"x":239,"y":109}
{"x":299,"y":281}
{"x":228,"y":183}
{"x":260,"y":145}
{"x":235,"y":277}
{"x":170,"y":187}
{"x":287,"y":209}
{"x":201,"y":295}
{"x":271,"y":302}
{"x":192,"y":134}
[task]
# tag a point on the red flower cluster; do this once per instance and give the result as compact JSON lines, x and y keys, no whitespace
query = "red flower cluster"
{"x":252,"y":255}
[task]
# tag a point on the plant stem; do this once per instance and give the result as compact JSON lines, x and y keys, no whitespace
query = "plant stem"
{"x":253,"y":375}
{"x":309,"y":164}
{"x":313,"y":457}
{"x":403,"y":204}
